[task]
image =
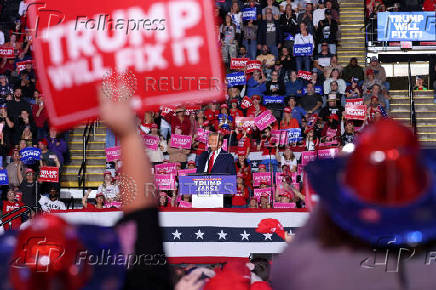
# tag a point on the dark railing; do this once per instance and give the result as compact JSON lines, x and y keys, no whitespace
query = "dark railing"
{"x":81,"y":176}
{"x":412,"y":100}
{"x":4,"y":220}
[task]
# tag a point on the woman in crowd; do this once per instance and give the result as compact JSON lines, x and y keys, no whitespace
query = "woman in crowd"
{"x":157,"y":156}
{"x":239,"y":200}
{"x":335,"y":77}
{"x":287,"y":159}
{"x":109,"y":189}
{"x":228,"y":40}
{"x":100,"y":201}
{"x":304,"y":38}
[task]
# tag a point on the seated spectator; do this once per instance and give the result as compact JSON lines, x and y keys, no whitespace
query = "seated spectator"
{"x":288,"y":121}
{"x":332,"y":130}
{"x":109,"y":189}
{"x":10,"y":204}
{"x":158,"y":155}
{"x":331,"y":109}
{"x":228,"y":40}
{"x":234,"y":110}
{"x":40,"y":115}
{"x":28,"y":188}
{"x":57,"y":145}
{"x":306,"y":17}
{"x":353,"y":70}
{"x":275,"y":86}
{"x":267,"y":59}
{"x":303,"y":38}
{"x":51,"y":202}
{"x":253,"y":203}
{"x":311,"y":102}
{"x":225,"y":121}
{"x":13,"y":168}
{"x":48,"y":158}
{"x":382,"y":96}
{"x":419,"y":84}
{"x":373,"y":111}
{"x":335,"y":76}
{"x":348,"y":136}
{"x":317,"y":82}
{"x":294,"y":86}
{"x":322,"y":60}
{"x":260,"y":270}
{"x":333,"y":10}
{"x":275,"y":12}
{"x":269,"y":34}
{"x":165,"y":200}
{"x":264,"y":202}
{"x":179,"y":121}
{"x":370,"y":81}
{"x":5,"y":88}
{"x":287,"y":60}
{"x":17,"y":105}
{"x":256,"y":108}
{"x":287,"y":159}
{"x":256,"y":84}
{"x":378,"y":70}
{"x":297,"y":112}
{"x":333,"y":65}
{"x":249,"y":40}
{"x":100,"y":201}
{"x":327,"y":31}
{"x":288,"y":25}
{"x":318,"y":14}
{"x":239,"y":200}
{"x":311,"y":141}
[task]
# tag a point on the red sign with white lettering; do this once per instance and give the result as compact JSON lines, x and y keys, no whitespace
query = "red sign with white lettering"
{"x":355,"y":112}
{"x":238,"y":63}
{"x":49,"y":174}
{"x":169,"y":46}
{"x":7,"y":52}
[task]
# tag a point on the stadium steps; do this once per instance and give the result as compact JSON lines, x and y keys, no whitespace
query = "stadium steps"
{"x":425,"y":113}
{"x":352,"y":38}
{"x":96,"y":158}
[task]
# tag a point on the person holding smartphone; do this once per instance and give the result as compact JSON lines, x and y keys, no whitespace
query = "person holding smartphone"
{"x":48,"y":158}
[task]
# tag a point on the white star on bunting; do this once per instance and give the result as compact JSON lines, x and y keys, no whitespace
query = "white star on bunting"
{"x":177,"y":235}
{"x":199,"y":235}
{"x":222,"y":235}
{"x":268,"y":237}
{"x":245,"y":236}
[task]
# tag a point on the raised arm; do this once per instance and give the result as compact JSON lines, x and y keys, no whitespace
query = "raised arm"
{"x":136,"y":172}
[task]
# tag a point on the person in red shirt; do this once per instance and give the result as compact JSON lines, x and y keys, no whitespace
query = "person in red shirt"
{"x":9,"y":205}
{"x":100,"y":201}
{"x":265,"y":144}
{"x":234,"y":111}
{"x":429,"y":5}
{"x":253,"y":203}
{"x":40,"y":115}
{"x":191,"y":165}
{"x":288,"y":121}
{"x":165,"y":200}
{"x":212,"y":113}
{"x":239,"y":200}
{"x":331,"y":131}
{"x":243,"y":167}
{"x":179,"y":122}
{"x":256,"y":108}
{"x":244,"y":141}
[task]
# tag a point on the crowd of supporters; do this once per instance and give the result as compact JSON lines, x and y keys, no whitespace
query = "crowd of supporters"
{"x":315,"y":105}
{"x":24,"y":120}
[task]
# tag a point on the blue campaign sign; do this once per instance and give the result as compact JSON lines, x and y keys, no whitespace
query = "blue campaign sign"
{"x":206,"y":185}
{"x":249,"y":14}
{"x":4,"y":180}
{"x":406,"y":26}
{"x":318,"y":90}
{"x":294,"y":135}
{"x":235,"y":79}
{"x":288,"y":36}
{"x":29,"y":155}
{"x":268,"y":100}
{"x":305,"y":49}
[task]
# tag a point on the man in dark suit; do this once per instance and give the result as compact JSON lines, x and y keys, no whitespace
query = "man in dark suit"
{"x":217,"y":161}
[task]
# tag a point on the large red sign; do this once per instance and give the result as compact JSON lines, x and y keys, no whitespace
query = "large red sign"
{"x":49,"y":174}
{"x":168,"y":45}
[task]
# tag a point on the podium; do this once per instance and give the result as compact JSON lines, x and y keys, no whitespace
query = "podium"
{"x":207,"y":190}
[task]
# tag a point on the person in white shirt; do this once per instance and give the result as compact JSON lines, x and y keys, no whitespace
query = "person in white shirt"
{"x":294,"y":6}
{"x":288,"y":158}
{"x":236,"y":15}
{"x":318,"y":14}
{"x":108,"y":188}
{"x":303,"y":38}
{"x":51,"y":201}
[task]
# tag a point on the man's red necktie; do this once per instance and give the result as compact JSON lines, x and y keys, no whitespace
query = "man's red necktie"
{"x":210,"y":165}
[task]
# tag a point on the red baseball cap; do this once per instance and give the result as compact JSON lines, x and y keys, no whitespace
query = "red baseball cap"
{"x":256,"y":97}
{"x":287,"y":110}
{"x":224,"y":106}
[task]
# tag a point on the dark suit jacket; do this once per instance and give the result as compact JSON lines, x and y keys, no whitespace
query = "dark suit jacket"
{"x":224,"y":163}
